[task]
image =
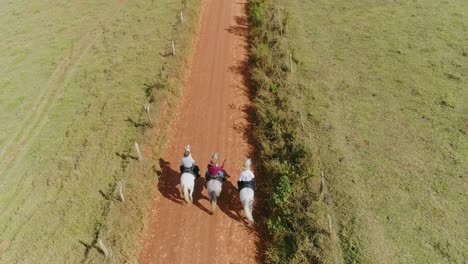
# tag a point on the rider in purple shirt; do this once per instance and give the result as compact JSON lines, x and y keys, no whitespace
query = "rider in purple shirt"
{"x":213,"y":168}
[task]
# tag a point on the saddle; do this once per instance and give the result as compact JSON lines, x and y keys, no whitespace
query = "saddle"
{"x":216,"y":178}
{"x":194,"y":171}
{"x":247,"y":184}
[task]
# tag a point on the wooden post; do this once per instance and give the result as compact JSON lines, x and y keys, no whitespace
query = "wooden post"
{"x":173,"y":48}
{"x":322,"y":185}
{"x":103,"y":248}
{"x":120,"y":186}
{"x":181,"y":17}
{"x":329,"y":224}
{"x":290,"y":62}
{"x":147,"y":109}
{"x":140,"y":157}
{"x":302,"y":121}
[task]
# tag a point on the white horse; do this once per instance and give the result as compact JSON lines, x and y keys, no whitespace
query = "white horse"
{"x":247,"y":197}
{"x":187,"y":181}
{"x":214,"y":189}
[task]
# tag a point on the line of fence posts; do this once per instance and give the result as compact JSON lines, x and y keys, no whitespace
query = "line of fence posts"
{"x":137,"y":147}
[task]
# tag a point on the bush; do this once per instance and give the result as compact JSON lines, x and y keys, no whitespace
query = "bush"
{"x":292,"y":222}
{"x":257,"y":13}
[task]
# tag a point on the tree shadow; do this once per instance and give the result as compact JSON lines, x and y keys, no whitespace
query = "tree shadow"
{"x":260,"y":210}
{"x":168,"y":182}
{"x":240,"y":28}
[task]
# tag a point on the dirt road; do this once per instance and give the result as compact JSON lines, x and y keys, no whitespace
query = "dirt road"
{"x":213,"y":118}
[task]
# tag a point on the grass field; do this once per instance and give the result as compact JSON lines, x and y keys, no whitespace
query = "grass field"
{"x":72,"y":90}
{"x":383,"y":89}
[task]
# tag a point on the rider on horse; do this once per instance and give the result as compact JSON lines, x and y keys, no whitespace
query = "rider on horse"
{"x":215,"y":171}
{"x":187,"y":164}
{"x":247,"y":178}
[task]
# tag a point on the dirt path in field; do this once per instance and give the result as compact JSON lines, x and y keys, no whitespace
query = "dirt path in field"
{"x":16,"y":147}
{"x":213,"y":118}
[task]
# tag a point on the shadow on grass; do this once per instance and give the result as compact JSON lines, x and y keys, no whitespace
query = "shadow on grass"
{"x":137,"y":124}
{"x":125,"y":156}
{"x":89,"y":247}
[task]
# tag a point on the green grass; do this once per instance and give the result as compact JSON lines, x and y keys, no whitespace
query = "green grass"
{"x":71,"y":107}
{"x":383,"y":91}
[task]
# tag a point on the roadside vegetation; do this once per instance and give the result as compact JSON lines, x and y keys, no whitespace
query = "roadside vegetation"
{"x":75,"y":81}
{"x":290,"y":170}
{"x":377,"y":101}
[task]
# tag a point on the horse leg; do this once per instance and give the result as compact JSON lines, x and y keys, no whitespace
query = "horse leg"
{"x":213,"y":199}
{"x":191,"y":194}
{"x":186,"y":194}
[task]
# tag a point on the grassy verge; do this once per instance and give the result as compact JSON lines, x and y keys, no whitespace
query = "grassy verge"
{"x":291,"y":169}
{"x":381,"y":90}
{"x":125,"y":223}
{"x":73,"y":93}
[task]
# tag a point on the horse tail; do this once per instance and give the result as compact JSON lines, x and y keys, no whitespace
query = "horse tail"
{"x":247,"y":196}
{"x":213,"y":200}
{"x":186,"y":194}
{"x":248,"y":211}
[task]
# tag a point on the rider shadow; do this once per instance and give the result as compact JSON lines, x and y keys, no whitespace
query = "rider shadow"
{"x":168,"y":182}
{"x":229,"y":202}
{"x":197,"y":194}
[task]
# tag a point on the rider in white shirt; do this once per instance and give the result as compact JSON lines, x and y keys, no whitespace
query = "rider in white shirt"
{"x":187,"y":160}
{"x":247,"y":177}
{"x":187,"y":163}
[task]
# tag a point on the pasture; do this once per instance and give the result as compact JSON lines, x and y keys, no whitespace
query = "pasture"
{"x":383,"y":89}
{"x":74,"y":79}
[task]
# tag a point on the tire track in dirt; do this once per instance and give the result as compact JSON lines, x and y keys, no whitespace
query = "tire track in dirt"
{"x":37,"y":118}
{"x":213,"y":117}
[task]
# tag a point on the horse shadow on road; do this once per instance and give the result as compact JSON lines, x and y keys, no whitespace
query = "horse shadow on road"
{"x":169,"y":186}
{"x":229,"y":202}
{"x":168,"y":182}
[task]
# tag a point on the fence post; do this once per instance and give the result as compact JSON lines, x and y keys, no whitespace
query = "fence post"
{"x":147,"y":110}
{"x":103,"y":248}
{"x":329,"y":224}
{"x":173,"y":48}
{"x":302,"y":121}
{"x":322,"y":184}
{"x":120,"y":186}
{"x":290,"y":62}
{"x":140,"y":157}
{"x":181,"y":17}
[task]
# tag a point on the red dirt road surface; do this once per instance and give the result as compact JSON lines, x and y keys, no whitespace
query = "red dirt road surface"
{"x":212,"y":118}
